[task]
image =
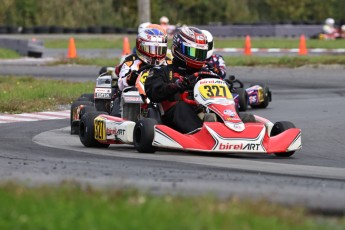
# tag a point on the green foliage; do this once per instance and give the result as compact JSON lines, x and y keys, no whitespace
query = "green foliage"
{"x":123,"y":13}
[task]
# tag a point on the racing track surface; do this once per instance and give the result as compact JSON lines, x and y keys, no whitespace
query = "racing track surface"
{"x":312,"y":98}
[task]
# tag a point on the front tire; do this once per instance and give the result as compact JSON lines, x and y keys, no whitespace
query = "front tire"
{"x":242,"y":99}
{"x":75,"y":104}
{"x":87,"y":130}
{"x":143,"y":135}
{"x":278,"y":128}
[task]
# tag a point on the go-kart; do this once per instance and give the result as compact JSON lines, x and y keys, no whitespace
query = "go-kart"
{"x":223,"y":130}
{"x":100,"y":100}
{"x":257,"y":95}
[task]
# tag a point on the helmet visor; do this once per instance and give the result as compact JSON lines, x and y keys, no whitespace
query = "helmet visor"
{"x":193,"y":52}
{"x":154,"y":49}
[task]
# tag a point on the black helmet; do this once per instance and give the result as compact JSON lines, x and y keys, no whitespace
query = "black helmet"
{"x":190,"y":47}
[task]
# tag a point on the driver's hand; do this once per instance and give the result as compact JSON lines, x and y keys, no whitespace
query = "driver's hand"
{"x":182,"y":84}
{"x":191,"y":79}
{"x":132,"y":77}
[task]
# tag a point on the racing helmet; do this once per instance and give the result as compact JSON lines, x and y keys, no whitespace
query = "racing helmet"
{"x":190,"y":47}
{"x":210,"y":43}
{"x":142,"y":26}
{"x":330,"y":22}
{"x":164,"y":20}
{"x":152,"y":44}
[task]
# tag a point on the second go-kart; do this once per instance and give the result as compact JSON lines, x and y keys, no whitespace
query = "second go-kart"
{"x":256,"y":96}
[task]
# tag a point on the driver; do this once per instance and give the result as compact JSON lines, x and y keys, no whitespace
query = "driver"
{"x":165,"y":83}
{"x":215,"y":62}
{"x":151,"y":46}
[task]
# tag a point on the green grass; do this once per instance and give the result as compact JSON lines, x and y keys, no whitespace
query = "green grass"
{"x":8,"y":54}
{"x":279,"y":61}
{"x":27,"y":94}
{"x":71,"y":206}
{"x":116,"y":42}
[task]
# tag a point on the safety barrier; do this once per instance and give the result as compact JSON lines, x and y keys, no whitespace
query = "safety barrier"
{"x":30,"y":48}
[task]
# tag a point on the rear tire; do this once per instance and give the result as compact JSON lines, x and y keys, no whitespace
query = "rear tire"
{"x":88,"y":96}
{"x":87,"y":130}
{"x":242,"y":99}
{"x":143,"y":135}
{"x":75,"y":104}
{"x":103,"y":105}
{"x":278,"y":128}
{"x":131,"y":111}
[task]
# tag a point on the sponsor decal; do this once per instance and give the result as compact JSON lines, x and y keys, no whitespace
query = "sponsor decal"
{"x":227,"y":146}
{"x":229,"y":112}
{"x":252,"y":99}
{"x":132,"y":99}
{"x":102,"y":90}
{"x":116,"y":132}
{"x":102,"y":95}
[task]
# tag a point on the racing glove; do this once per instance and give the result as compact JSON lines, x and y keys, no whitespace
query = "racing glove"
{"x":132,"y":77}
{"x":182,"y":84}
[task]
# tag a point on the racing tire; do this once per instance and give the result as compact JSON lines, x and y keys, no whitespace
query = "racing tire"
{"x":131,"y":111}
{"x":247,"y":117}
{"x":103,"y":105}
{"x":278,"y":128}
{"x":88,"y":97}
{"x":74,"y":126}
{"x":267,"y":98}
{"x":242,"y":99}
{"x":87,"y":130}
{"x":143,"y":135}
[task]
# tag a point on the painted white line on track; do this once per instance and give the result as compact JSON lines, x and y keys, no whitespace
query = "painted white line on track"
{"x":37,"y":116}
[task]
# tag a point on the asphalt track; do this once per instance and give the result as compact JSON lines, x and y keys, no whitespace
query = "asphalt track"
{"x":312,"y":98}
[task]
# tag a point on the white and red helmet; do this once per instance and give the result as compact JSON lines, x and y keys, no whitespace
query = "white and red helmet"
{"x":152,"y":45}
{"x":190,"y":47}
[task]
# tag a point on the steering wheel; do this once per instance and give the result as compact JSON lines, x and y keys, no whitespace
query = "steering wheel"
{"x":197,"y":75}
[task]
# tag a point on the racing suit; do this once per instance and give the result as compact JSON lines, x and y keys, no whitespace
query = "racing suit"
{"x":162,"y":86}
{"x":216,"y":64}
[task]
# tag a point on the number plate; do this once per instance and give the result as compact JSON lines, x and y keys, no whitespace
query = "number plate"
{"x":100,"y":129}
{"x":208,"y":91}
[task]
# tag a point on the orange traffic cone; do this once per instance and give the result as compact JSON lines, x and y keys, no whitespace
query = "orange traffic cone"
{"x":302,"y":46}
{"x":126,"y":50}
{"x":72,"y":52}
{"x":247,"y":46}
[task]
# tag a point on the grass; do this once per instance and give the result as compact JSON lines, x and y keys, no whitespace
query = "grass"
{"x":8,"y":54}
{"x":27,"y":94}
{"x":116,"y":42}
{"x":71,"y":206}
{"x":280,"y":61}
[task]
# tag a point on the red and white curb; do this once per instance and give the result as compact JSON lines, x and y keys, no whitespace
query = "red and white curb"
{"x":38,"y":116}
{"x":278,"y":50}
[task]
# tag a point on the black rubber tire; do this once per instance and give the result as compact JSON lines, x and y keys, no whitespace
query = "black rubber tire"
{"x":116,"y":110}
{"x":74,"y":127}
{"x":143,"y":135}
{"x":247,"y":117}
{"x":267,"y":99}
{"x":88,"y":96}
{"x":103,"y":70}
{"x":103,"y":105}
{"x":87,"y":130}
{"x":278,"y":128}
{"x":131,"y":111}
{"x":242,"y":99}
